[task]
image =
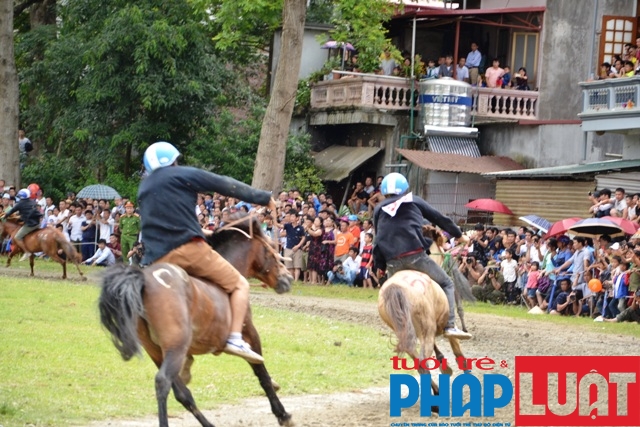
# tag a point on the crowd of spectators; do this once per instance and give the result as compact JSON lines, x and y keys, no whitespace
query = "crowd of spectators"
{"x":95,"y":228}
{"x":471,"y":69}
{"x":503,"y":266}
{"x":556,"y":274}
{"x":626,"y":64}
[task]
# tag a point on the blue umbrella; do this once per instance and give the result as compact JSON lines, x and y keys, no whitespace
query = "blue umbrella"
{"x":537,"y":222}
{"x":98,"y":191}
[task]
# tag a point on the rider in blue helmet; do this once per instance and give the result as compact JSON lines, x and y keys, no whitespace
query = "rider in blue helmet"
{"x":29,"y":215}
{"x":175,"y":235}
{"x":401,"y":244}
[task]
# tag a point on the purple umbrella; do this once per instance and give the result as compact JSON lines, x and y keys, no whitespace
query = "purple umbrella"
{"x":332,"y":44}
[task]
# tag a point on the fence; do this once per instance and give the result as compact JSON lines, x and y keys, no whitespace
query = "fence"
{"x":449,"y":199}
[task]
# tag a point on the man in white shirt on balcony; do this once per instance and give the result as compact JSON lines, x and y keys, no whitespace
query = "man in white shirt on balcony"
{"x":493,"y":74}
{"x":462,"y":72}
{"x":474,"y":58}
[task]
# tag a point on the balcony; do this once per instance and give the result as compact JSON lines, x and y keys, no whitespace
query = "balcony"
{"x":611,"y":105}
{"x":394,"y":93}
{"x":364,"y":91}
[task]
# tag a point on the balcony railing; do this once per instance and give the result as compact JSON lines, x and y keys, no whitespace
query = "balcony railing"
{"x":363,"y":90}
{"x":505,"y":103}
{"x":611,"y":104}
{"x":394,"y":93}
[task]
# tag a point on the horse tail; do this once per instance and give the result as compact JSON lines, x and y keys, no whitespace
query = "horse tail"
{"x":121,"y":305}
{"x":67,"y":248}
{"x":398,"y":309}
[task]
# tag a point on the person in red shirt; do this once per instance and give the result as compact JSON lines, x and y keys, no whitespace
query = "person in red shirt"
{"x":367,"y":261}
{"x":354,"y":228}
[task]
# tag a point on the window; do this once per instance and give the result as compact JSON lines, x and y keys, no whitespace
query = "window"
{"x":524,"y":53}
{"x":615,"y":32}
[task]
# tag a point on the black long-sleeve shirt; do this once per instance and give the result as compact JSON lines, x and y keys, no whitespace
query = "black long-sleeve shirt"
{"x":403,"y":232}
{"x":167,"y":199}
{"x":28,"y":210}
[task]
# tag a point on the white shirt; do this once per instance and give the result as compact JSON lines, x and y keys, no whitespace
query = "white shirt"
{"x":462,"y":73}
{"x":106,"y":229}
{"x":509,"y":270}
{"x":102,"y":255}
{"x":362,"y":234}
{"x":351,"y":264}
{"x":75,"y":227}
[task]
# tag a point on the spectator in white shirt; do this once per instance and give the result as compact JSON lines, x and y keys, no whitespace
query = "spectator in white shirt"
{"x":75,"y":228}
{"x":462,"y":72}
{"x":346,"y":271}
{"x":474,"y":58}
{"x":103,"y":256}
{"x":106,"y":224}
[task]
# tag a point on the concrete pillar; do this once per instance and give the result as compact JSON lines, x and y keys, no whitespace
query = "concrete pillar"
{"x":631,"y":147}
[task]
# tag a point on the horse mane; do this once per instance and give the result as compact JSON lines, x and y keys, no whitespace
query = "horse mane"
{"x":434,"y":234}
{"x":225,"y":236}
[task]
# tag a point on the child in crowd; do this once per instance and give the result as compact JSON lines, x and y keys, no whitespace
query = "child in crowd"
{"x":532,"y":283}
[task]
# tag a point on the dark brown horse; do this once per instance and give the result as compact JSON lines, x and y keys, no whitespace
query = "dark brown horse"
{"x":174,"y":316}
{"x":47,"y":240}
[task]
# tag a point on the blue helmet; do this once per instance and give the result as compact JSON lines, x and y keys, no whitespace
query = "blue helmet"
{"x":160,"y":155}
{"x":394,"y":183}
{"x":23,"y":194}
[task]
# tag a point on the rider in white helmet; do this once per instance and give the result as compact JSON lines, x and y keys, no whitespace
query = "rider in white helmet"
{"x":29,"y":215}
{"x":400,"y":243}
{"x":175,"y":236}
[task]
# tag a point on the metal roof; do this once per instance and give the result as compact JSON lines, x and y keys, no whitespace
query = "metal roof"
{"x":338,"y":161}
{"x":453,"y":145}
{"x":569,"y":170}
{"x":457,"y":163}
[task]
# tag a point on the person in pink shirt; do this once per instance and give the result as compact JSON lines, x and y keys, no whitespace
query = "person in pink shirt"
{"x":532,"y":283}
{"x":493,"y":74}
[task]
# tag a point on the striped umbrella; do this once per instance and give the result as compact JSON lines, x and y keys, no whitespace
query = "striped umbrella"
{"x":98,"y":191}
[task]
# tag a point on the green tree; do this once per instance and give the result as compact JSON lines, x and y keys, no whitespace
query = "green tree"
{"x":122,"y":75}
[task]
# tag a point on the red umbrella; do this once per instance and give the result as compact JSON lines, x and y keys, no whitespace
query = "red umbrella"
{"x":629,"y":227}
{"x":562,"y":226}
{"x":489,"y":205}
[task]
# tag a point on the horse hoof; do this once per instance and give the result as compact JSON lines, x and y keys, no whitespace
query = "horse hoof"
{"x":447,"y":371}
{"x":287,"y":422}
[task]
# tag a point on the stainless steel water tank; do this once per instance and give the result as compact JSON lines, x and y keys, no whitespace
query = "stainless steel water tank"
{"x":445,"y":102}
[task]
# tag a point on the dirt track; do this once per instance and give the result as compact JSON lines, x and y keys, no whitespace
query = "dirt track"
{"x":497,"y":337}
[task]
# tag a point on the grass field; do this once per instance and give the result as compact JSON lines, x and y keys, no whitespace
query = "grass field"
{"x":59,"y":368}
{"x":517,"y":312}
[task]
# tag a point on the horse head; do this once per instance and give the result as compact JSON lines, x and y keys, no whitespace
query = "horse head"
{"x":253,"y":253}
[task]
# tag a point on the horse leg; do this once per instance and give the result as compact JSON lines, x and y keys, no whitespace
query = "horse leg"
{"x":184,"y":396}
{"x":31,"y":258}
{"x":457,"y":350}
{"x":460,"y":308}
{"x":440,"y":357}
{"x":55,"y":257}
{"x":428,"y":345}
{"x":11,"y":255}
{"x":165,"y":378}
{"x":250,"y":335}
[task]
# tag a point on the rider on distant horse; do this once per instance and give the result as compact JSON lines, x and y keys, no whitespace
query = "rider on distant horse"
{"x":29,"y":214}
{"x":400,"y":243}
{"x":175,"y":236}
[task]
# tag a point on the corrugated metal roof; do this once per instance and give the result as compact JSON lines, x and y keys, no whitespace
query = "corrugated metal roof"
{"x":550,"y":199}
{"x":457,"y":163}
{"x":630,"y":181}
{"x":569,"y":170}
{"x":453,"y":145}
{"x":338,"y":161}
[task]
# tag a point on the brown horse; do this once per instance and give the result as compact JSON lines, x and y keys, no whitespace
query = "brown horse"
{"x":47,"y":240}
{"x":416,"y":309}
{"x":174,"y":316}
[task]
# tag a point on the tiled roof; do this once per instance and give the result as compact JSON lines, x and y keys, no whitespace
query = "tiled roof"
{"x":458,"y":163}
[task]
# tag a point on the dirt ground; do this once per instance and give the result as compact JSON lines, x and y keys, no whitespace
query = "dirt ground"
{"x":497,"y":337}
